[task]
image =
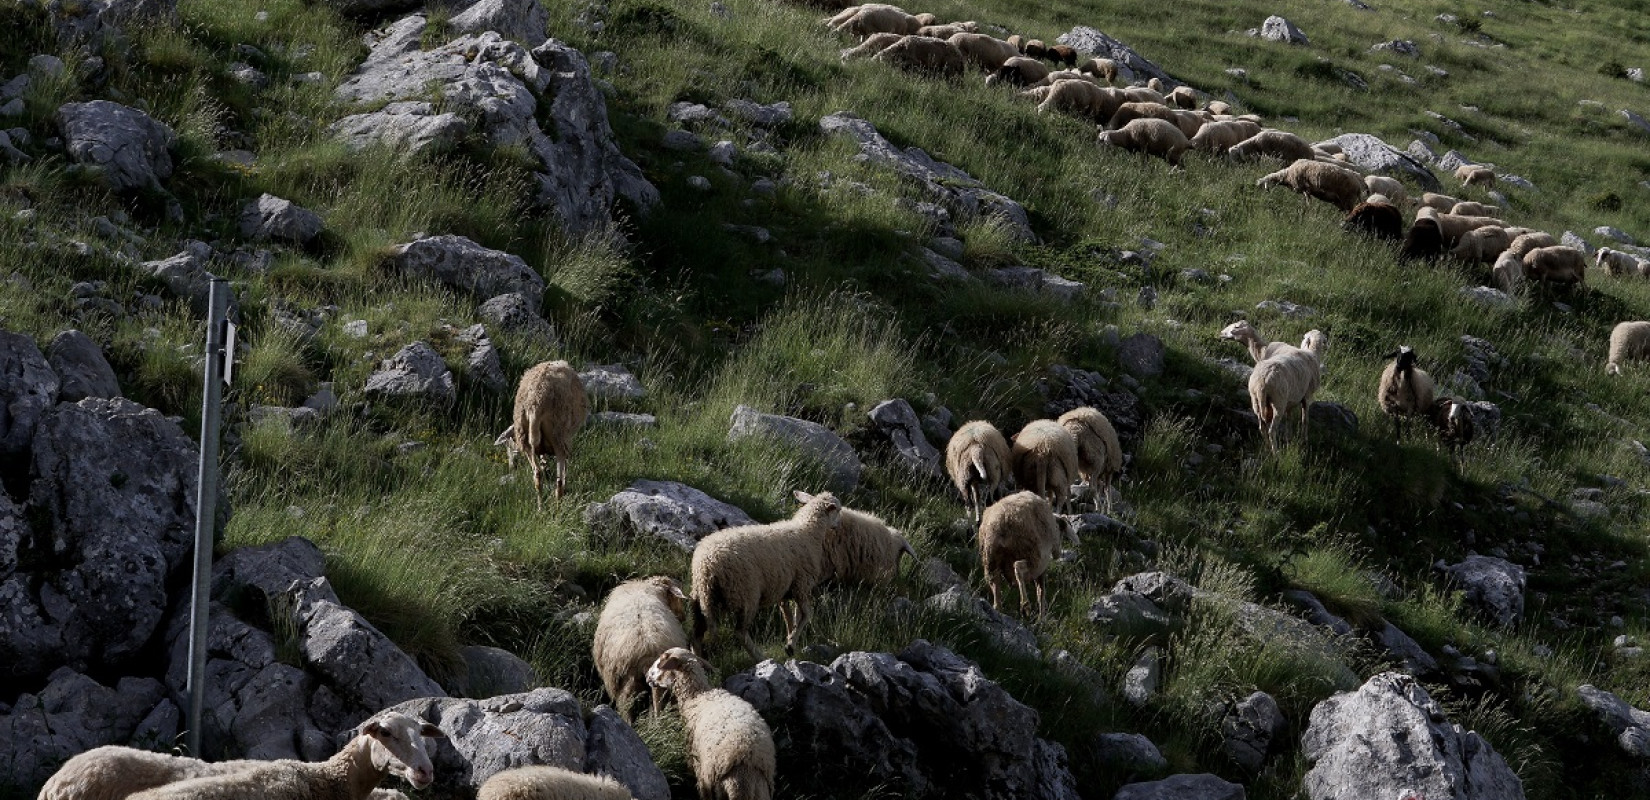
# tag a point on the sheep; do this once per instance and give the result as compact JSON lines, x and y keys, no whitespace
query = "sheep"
{"x":1440,"y":202}
{"x":1129,"y":112}
{"x":1405,"y":390}
{"x":1142,"y":94}
{"x":1103,"y":68}
{"x":390,"y":743}
{"x":977,"y":458}
{"x":1481,"y":245}
{"x":1454,"y":422}
{"x":874,"y":18}
{"x":1155,"y":137}
{"x":987,"y":52}
{"x":1218,"y":137}
{"x":1452,"y":226}
{"x":1182,"y":97}
{"x":539,"y":782}
{"x":1034,"y":48}
{"x":1246,"y":334}
{"x":1377,"y":218}
{"x":1155,"y":84}
{"x":873,"y":44}
{"x":640,"y":619}
{"x":1218,"y":107}
{"x":1425,"y":241}
{"x":1524,"y":243}
{"x":1629,"y":341}
{"x":1061,"y":54}
{"x":948,"y":30}
{"x":1559,"y":264}
{"x":1508,"y":271}
{"x":1018,"y":41}
{"x":1082,"y":98}
{"x":1469,"y":208}
{"x":926,"y":19}
{"x":1391,"y":187}
{"x":1474,"y":175}
{"x":1337,"y":186}
{"x":1281,"y":382}
{"x":1272,"y":144}
{"x":1061,"y":75}
{"x":730,"y":747}
{"x":739,"y":571}
{"x":1099,"y":455}
{"x":923,"y":54}
{"x":1044,"y":456}
{"x":864,"y":549}
{"x":1617,"y":263}
{"x":112,"y":772}
{"x":1019,"y":71}
{"x":550,"y":407}
{"x":1019,"y":537}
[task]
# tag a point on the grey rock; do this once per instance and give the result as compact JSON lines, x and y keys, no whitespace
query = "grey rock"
{"x":1494,"y":585}
{"x":411,"y":126}
{"x":1636,"y":120}
{"x":1278,"y":29}
{"x":963,"y":196}
{"x":490,"y":671}
{"x":74,"y":713}
{"x":28,"y":387}
{"x":675,"y":512}
{"x":466,"y":266}
{"x":524,"y":21}
{"x":114,"y":483}
{"x":186,"y":277}
{"x":1510,"y":179}
{"x":1402,"y":47}
{"x":356,"y":329}
{"x":1617,"y":234}
{"x":1091,"y":41}
{"x":1141,"y":355}
{"x":1635,"y":74}
{"x":811,"y":439}
{"x":1630,"y":725}
{"x":1371,"y":153}
{"x":14,"y":534}
{"x":1252,"y":730}
{"x":1129,"y":614}
{"x":514,"y":313}
{"x":688,"y":113}
{"x":98,"y":22}
{"x":612,"y":748}
{"x":942,"y":267}
{"x":1316,"y":613}
{"x":611,"y":382}
{"x":358,"y":663}
{"x":1572,"y":239}
{"x":482,"y":364}
{"x":268,"y":570}
{"x":1453,"y":159}
{"x":8,"y":148}
{"x":1034,"y":280}
{"x":415,"y":372}
{"x":585,"y":172}
{"x":1409,"y":653}
{"x":1286,"y":308}
{"x":272,"y":218}
{"x":762,"y":116}
{"x":723,"y":153}
{"x":1333,"y":418}
{"x":1489,"y":297}
{"x":699,"y":182}
{"x":1390,"y":737}
{"x":898,"y":423}
{"x":248,"y":75}
{"x":131,"y":149}
{"x":1422,"y":152}
{"x":624,"y":419}
{"x":1201,"y":786}
{"x":1141,"y":681}
{"x":1129,"y":751}
{"x":1008,"y":633}
{"x":486,"y":737}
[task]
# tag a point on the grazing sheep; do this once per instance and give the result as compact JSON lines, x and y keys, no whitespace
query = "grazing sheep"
{"x":550,"y":407}
{"x":1474,"y":175}
{"x":1405,"y":390}
{"x":1142,"y":94}
{"x":112,"y":772}
{"x":1617,"y":263}
{"x":1391,"y":187}
{"x":923,"y":54}
{"x":1129,"y":112}
{"x":539,"y":782}
{"x":1482,"y":245}
{"x":1103,"y":68}
{"x":1061,"y":75}
{"x":1034,"y":48}
{"x":1442,"y":203}
{"x":1284,"y":381}
{"x":1424,"y":242}
{"x":1099,"y":455}
{"x":1019,"y":71}
{"x":864,"y":549}
{"x":1629,"y":341}
{"x":874,"y":18}
{"x":1182,"y":97}
{"x":1454,"y":422}
{"x":1218,"y":137}
{"x":641,"y":619}
{"x":1452,"y":227}
{"x":1079,"y":97}
{"x":948,"y":30}
{"x":1045,"y":460}
{"x":977,"y":458}
{"x":926,"y":19}
{"x":1155,"y":137}
{"x":391,"y":743}
{"x":1272,"y":144}
{"x":1560,"y":264}
{"x":730,"y":747}
{"x":1218,"y":107}
{"x":1018,"y":41}
{"x":873,"y":44}
{"x":1020,"y":537}
{"x":1524,"y":243}
{"x":1376,"y":218}
{"x":1337,"y":186}
{"x":1508,"y":272}
{"x":1061,"y":54}
{"x":986,"y":52}
{"x":1469,"y":208}
{"x":739,"y":571}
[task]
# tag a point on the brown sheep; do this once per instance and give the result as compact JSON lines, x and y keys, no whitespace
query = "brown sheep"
{"x":1380,"y":220}
{"x":1061,"y":54}
{"x":1020,"y":537}
{"x":1337,"y":186}
{"x":1034,"y":48}
{"x":1103,"y":68}
{"x":1155,"y":137}
{"x":923,"y":54}
{"x":550,"y":407}
{"x":1182,"y":97}
{"x":1424,"y":241}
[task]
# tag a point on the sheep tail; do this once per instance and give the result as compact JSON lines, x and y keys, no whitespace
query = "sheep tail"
{"x":976,"y":456}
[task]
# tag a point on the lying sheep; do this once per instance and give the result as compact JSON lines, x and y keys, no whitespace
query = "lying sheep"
{"x":873,"y":44}
{"x":1562,"y":265}
{"x":1182,"y":97}
{"x":739,"y":571}
{"x":1405,"y":390}
{"x":977,"y":459}
{"x":1079,"y":97}
{"x":1019,"y":71}
{"x":1617,"y":263}
{"x":1454,"y":227}
{"x":729,"y":746}
{"x":1272,"y":144}
{"x":1337,"y":186}
{"x":1629,"y":341}
{"x":1468,"y":208}
{"x":948,"y":30}
{"x":1102,"y":68}
{"x":1284,"y":381}
{"x":1481,"y":245}
{"x":550,"y":407}
{"x":538,"y":782}
{"x":1044,"y":456}
{"x":1376,"y":218}
{"x":1099,"y":455}
{"x":112,"y":772}
{"x":391,"y":743}
{"x":1508,"y":272}
{"x":1441,"y":203}
{"x":641,"y":619}
{"x":986,"y":52}
{"x":1390,"y":187}
{"x":923,"y":54}
{"x":1020,"y":537}
{"x":1474,"y":175}
{"x":1154,"y":137}
{"x":1218,"y":137}
{"x":1524,"y":243}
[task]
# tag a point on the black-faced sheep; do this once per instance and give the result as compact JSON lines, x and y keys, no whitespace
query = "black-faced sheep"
{"x":540,"y":782}
{"x":550,"y":407}
{"x":1617,"y":264}
{"x":739,"y":571}
{"x":1560,"y":265}
{"x":730,"y":747}
{"x":1380,"y":220}
{"x":1154,"y":137}
{"x":1034,"y":48}
{"x":1337,"y":186}
{"x":1099,"y":455}
{"x":1474,"y":175}
{"x":1019,"y":538}
{"x":1102,"y":68}
{"x":641,"y":619}
{"x":1218,"y":137}
{"x":1045,"y":460}
{"x":1405,"y":390}
{"x":1629,"y":341}
{"x":923,"y":54}
{"x":977,"y":459}
{"x":1019,"y":71}
{"x":1452,"y":226}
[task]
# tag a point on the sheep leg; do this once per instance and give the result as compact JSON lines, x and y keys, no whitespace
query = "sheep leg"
{"x":1306,"y":419}
{"x":802,"y":614}
{"x":561,"y":475}
{"x":991,"y":580}
{"x":1022,"y":573}
{"x":538,"y":480}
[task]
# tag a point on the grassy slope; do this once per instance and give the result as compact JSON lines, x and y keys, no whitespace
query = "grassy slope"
{"x":858,"y":323}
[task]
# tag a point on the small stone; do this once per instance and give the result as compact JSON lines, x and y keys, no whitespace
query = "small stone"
{"x":699,"y":182}
{"x":356,"y":329}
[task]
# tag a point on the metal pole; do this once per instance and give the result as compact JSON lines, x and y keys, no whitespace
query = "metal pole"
{"x":206,"y":508}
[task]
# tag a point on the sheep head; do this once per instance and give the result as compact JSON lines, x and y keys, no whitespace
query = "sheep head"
{"x":1240,"y":331}
{"x":397,"y":746}
{"x":824,"y":508}
{"x":671,"y":592}
{"x":677,"y":670}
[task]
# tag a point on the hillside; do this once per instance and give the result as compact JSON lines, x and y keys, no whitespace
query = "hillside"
{"x":759,"y":222}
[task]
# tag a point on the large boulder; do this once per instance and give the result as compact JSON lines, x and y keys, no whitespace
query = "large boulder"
{"x":1278,"y":29}
{"x":28,"y":387}
{"x":462,"y":264}
{"x":611,"y":382}
{"x":1495,"y":586}
{"x":675,"y":512}
{"x":129,"y":148}
{"x":1390,"y":739}
{"x":362,"y":667}
{"x":1250,"y":729}
{"x":410,"y":126}
{"x":523,"y":21}
{"x":81,"y":369}
{"x":1092,"y":42}
{"x":75,"y":713}
{"x":113,"y":513}
{"x":1373,"y":154}
{"x":1202,"y":786}
{"x":514,"y":314}
{"x":274,"y":218}
{"x":97,"y":22}
{"x":811,"y":439}
{"x":898,"y":423}
{"x":1630,"y":725}
{"x":416,"y":372}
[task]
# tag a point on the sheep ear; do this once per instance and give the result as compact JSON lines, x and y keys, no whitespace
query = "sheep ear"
{"x":430,"y":731}
{"x":372,"y":729}
{"x":676,"y":589}
{"x":802,"y":497}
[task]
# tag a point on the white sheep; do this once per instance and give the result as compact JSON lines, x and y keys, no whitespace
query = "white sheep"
{"x":1219,"y":108}
{"x":739,"y":571}
{"x":550,"y":407}
{"x":1102,"y":68}
{"x":1154,"y":137}
{"x":1272,"y":143}
{"x":1283,"y":379}
{"x":1405,"y":390}
{"x":873,"y":44}
{"x":1390,"y":187}
{"x":1218,"y":137}
{"x":987,"y":52}
{"x":1617,"y":263}
{"x":1559,"y":264}
{"x":1508,"y":271}
{"x":1045,"y":460}
{"x":1062,"y":75}
{"x":1142,"y":94}
{"x":641,"y":619}
{"x":1482,"y":245}
{"x":1469,"y":208}
{"x":1523,"y":243}
{"x":1019,"y":538}
{"x":391,"y":743}
{"x":1629,"y":341}
{"x":1441,"y":203}
{"x":1099,"y":455}
{"x":948,"y":30}
{"x":1182,"y":97}
{"x":1475,"y":175}
{"x":864,"y":549}
{"x":112,"y":772}
{"x":1337,"y":186}
{"x":875,"y":18}
{"x":730,"y":747}
{"x":1257,"y":345}
{"x":923,"y":54}
{"x":1083,"y":98}
{"x":539,"y":782}
{"x":1019,"y":71}
{"x":977,"y":459}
